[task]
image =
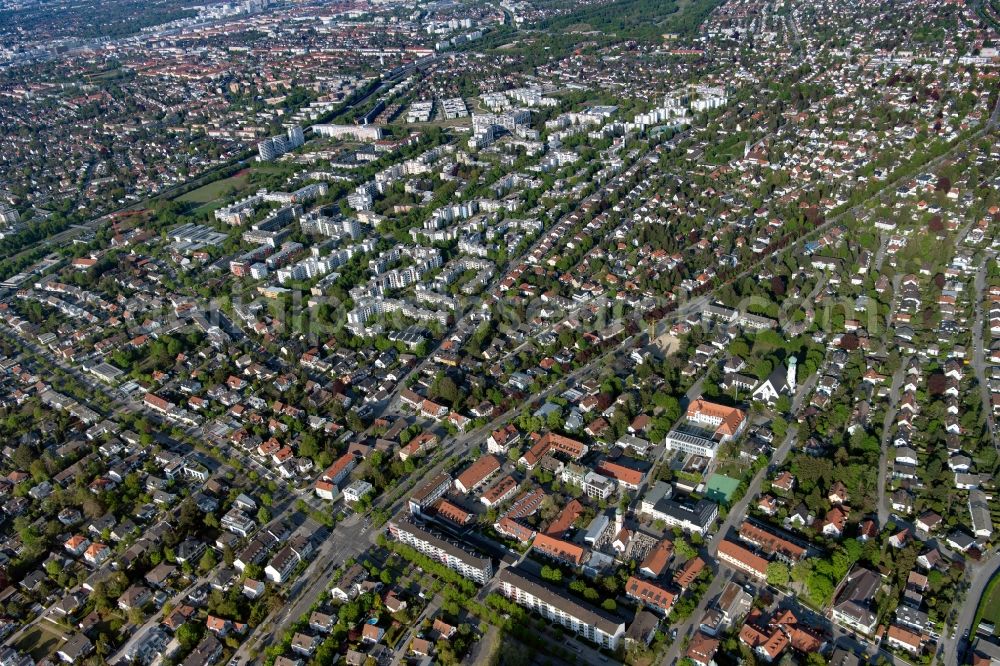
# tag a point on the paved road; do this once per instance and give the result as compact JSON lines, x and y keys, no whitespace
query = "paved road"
{"x":887,"y":430}
{"x":154,"y":620}
{"x":305,"y":591}
{"x":845,"y":638}
{"x":954,"y":644}
{"x":311,"y":585}
{"x":403,"y":647}
{"x":736,"y":515}
{"x":979,"y":352}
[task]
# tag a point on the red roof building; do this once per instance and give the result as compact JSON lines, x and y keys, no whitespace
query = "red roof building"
{"x":558,"y":549}
{"x":477,"y":473}
{"x":649,"y":594}
{"x":742,"y":559}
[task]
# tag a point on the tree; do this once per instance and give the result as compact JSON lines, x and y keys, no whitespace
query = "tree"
{"x":553,"y":574}
{"x":446,"y":389}
{"x":23,"y":456}
{"x":684,"y":550}
{"x":778,"y":285}
{"x":815,"y":659}
{"x":778,"y":574}
{"x":188,"y":635}
{"x":208,"y":561}
{"x":820,"y":588}
{"x":136,"y":616}
{"x":779,"y":427}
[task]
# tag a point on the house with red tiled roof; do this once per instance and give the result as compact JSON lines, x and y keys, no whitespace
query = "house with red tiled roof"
{"x":499,"y":492}
{"x":597,"y":428}
{"x":552,"y":442}
{"x":768,"y":505}
{"x":868,"y":529}
{"x":767,"y":643}
{"x":770,"y":543}
{"x":459,"y":421}
{"x":157,"y":403}
{"x":443,"y":629}
{"x":84,"y":263}
{"x":639,"y":424}
{"x":477,"y":473}
{"x":269,"y":447}
{"x":835,"y":522}
{"x":218,"y":626}
{"x":784,"y":482}
{"x":511,"y":528}
{"x":655,"y":563}
{"x":626,"y":476}
{"x":442,"y":508}
{"x":419,"y":444}
{"x":338,"y":471}
{"x":904,"y":639}
{"x":281,"y":455}
{"x":502,"y":439}
{"x":689,"y":572}
{"x":742,"y":559}
{"x":77,"y":545}
{"x":433,"y":410}
{"x":728,"y":422}
{"x":838,"y":493}
{"x":557,"y":549}
{"x":702,"y":648}
{"x":371,"y":633}
{"x":565,"y":519}
{"x":97,"y":553}
{"x":649,"y":594}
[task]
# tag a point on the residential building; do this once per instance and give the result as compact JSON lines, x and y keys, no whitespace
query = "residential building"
{"x":450,"y":553}
{"x":477,"y":473}
{"x":553,"y":604}
{"x":853,"y":606}
{"x":649,"y":594}
{"x":743,"y":559}
{"x":426,"y":494}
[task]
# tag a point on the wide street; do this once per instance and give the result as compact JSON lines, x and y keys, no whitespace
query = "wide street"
{"x":731,"y":523}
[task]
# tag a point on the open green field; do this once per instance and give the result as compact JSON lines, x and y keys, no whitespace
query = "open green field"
{"x":212,"y":191}
{"x":42,"y":640}
{"x":989,"y":604}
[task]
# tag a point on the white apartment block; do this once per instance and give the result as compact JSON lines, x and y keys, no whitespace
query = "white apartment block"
{"x":689,"y":443}
{"x":552,"y":605}
{"x":448,"y":553}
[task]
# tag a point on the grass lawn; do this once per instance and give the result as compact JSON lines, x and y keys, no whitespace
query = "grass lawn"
{"x":209,"y":207}
{"x":212,"y":191}
{"x":42,"y":640}
{"x":989,"y":605}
